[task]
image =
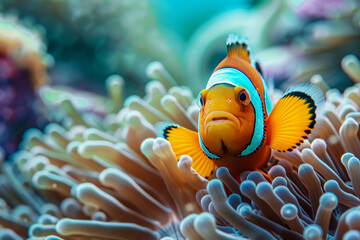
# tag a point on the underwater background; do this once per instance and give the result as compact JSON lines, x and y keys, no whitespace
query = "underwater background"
{"x":82,"y":84}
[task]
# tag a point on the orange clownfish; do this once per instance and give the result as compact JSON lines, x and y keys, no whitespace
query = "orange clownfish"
{"x":237,"y":125}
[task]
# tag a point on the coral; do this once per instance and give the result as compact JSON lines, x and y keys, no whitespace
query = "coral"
{"x":23,"y":64}
{"x":25,"y":48}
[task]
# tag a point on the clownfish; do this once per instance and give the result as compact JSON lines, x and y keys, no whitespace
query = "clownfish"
{"x":238,"y":126}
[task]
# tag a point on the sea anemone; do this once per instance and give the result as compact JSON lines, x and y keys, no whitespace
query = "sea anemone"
{"x":100,"y":179}
{"x":313,"y":193}
{"x":109,"y":177}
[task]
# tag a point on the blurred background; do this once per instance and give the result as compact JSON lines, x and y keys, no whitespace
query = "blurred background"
{"x":53,"y":49}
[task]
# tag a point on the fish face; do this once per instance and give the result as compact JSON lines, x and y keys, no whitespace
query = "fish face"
{"x":226,"y":120}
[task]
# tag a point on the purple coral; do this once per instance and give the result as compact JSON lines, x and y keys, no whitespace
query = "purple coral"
{"x":22,"y":70}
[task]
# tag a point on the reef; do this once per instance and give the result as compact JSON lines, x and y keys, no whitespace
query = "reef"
{"x":99,"y":170}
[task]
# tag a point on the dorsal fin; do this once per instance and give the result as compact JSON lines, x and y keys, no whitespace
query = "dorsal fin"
{"x":237,"y":45}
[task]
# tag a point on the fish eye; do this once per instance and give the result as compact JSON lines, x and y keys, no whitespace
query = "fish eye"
{"x":242,"y":95}
{"x":201,"y":98}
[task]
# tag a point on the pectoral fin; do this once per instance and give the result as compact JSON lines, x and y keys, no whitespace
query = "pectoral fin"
{"x":294,"y":116}
{"x":186,"y":142}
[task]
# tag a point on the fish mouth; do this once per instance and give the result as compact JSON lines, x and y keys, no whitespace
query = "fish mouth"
{"x":220,"y":117}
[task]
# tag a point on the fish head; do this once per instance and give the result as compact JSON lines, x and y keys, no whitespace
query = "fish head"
{"x":226,"y":122}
